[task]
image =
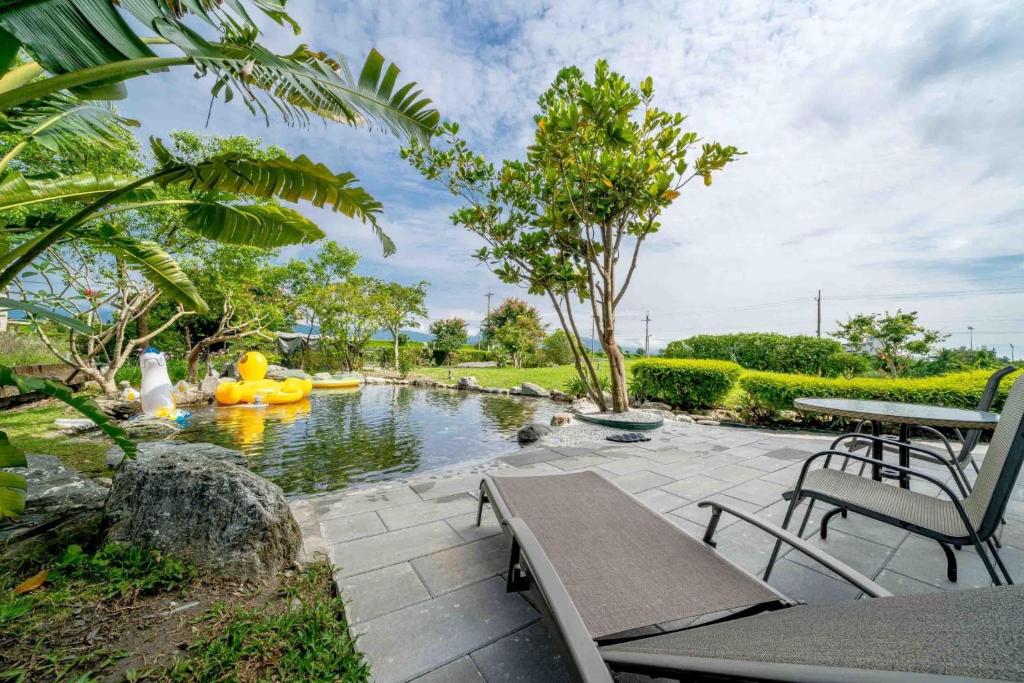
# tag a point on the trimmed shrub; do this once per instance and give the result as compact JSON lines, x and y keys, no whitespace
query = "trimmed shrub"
{"x":468,"y":354}
{"x":684,"y":383}
{"x":845,"y":364}
{"x":769,"y":393}
{"x":760,"y":351}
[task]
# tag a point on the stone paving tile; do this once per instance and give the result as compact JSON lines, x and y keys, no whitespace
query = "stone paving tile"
{"x":579,"y":462}
{"x":635,"y":482}
{"x":627,"y":466}
{"x":418,"y":639}
{"x":697,"y":487}
{"x":868,"y":529}
{"x":745,"y":451}
{"x":465,"y":525}
{"x":785,"y":476}
{"x":574,"y":451}
{"x":679,"y":470}
{"x":701,"y":516}
{"x":808,"y":445}
{"x":660,"y":500}
{"x":365,"y":501}
{"x":427,"y":511}
{"x":527,"y":656}
{"x":531,"y":456}
{"x":456,"y":567}
{"x":898,"y":584}
{"x":448,"y":486}
{"x":758,"y":491}
{"x":368,"y":596}
{"x":462,"y":670}
{"x":866,"y":557}
{"x":800,"y":582}
{"x":748,"y":547}
{"x":922,"y":559}
{"x":766,"y":463}
{"x":340,"y":529}
{"x":671,"y":456}
{"x":373,"y":552}
{"x":736,"y":474}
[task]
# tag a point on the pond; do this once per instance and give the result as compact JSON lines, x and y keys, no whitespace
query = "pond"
{"x":343,"y":437}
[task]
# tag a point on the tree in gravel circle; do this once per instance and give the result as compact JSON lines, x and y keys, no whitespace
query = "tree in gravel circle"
{"x":569,"y":220}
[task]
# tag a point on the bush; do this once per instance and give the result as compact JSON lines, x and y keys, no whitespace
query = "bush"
{"x":575,"y":387}
{"x":468,"y":354}
{"x":177,"y":369}
{"x":409,"y":357}
{"x":556,"y":348}
{"x":845,"y":364}
{"x":684,"y":383}
{"x":769,"y":393}
{"x":760,"y":351}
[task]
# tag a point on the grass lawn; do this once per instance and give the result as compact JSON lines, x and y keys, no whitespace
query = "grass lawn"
{"x":549,"y":378}
{"x":31,"y":429}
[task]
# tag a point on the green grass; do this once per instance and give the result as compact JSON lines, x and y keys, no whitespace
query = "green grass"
{"x":32,"y":430}
{"x":549,"y":378}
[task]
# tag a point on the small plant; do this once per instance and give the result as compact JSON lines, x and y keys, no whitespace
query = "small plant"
{"x":575,"y":386}
{"x":126,"y":571}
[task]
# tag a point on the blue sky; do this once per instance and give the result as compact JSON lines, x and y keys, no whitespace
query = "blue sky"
{"x":884,"y":144}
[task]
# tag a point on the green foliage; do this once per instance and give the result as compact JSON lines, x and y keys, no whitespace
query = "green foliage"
{"x":177,"y":369}
{"x":303,"y":637}
{"x":946,"y":361}
{"x":770,"y":393}
{"x":892,"y":338}
{"x":124,"y":570}
{"x":684,"y":383}
{"x":401,"y":306}
{"x":450,"y":334}
{"x":470,"y":354}
{"x":20,"y":346}
{"x":514,"y":329}
{"x":760,"y":351}
{"x":575,"y":386}
{"x":845,"y":364}
{"x":409,"y":358}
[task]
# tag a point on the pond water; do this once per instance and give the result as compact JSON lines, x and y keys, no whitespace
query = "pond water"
{"x":378,"y":432}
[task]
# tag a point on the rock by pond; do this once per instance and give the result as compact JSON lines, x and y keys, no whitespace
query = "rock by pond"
{"x":532,"y":432}
{"x":531,"y":389}
{"x":151,"y":449}
{"x":211,"y":512}
{"x":62,"y":507}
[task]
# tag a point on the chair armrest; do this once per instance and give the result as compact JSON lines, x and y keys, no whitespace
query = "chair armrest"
{"x":575,"y":636}
{"x":818,"y":555}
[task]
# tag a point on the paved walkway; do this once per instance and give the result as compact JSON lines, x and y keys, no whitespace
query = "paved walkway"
{"x":423,"y":584}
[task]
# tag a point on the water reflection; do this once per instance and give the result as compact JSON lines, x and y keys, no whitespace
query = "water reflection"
{"x":338,"y":438}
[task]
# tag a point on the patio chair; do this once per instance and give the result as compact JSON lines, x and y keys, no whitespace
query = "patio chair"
{"x":948,"y":519}
{"x":624,"y":590}
{"x":960,"y":457}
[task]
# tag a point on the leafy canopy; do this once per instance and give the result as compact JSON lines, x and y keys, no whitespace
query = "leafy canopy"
{"x":892,"y":338}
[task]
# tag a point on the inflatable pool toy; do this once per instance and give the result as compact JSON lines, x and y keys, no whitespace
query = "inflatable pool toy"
{"x":156,"y":384}
{"x":255,"y":388}
{"x":342,"y":382}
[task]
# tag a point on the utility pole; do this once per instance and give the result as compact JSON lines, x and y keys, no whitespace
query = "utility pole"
{"x":818,"y":300}
{"x":970,"y":328}
{"x":593,"y":327}
{"x":1011,"y":353}
{"x":647,"y":334}
{"x":489,"y":294}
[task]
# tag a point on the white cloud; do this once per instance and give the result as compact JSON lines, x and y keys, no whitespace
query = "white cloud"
{"x":884,"y":144}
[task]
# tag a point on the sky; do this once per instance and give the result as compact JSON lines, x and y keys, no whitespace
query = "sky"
{"x":884,"y":144}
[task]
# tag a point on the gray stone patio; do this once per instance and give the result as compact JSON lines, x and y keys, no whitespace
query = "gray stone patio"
{"x":423,"y":584}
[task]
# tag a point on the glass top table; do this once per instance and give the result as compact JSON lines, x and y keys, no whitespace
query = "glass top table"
{"x":905,"y":415}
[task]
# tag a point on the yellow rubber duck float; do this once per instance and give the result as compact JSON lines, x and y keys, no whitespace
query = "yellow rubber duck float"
{"x":254,"y":388}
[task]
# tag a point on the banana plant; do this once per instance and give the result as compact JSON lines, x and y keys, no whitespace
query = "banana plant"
{"x":13,"y":486}
{"x":87,"y":47}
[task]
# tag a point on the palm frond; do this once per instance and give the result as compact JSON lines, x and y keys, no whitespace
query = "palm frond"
{"x":40,"y":312}
{"x":266,"y":227}
{"x":155,"y":264}
{"x":17,"y":190}
{"x":62,"y":124}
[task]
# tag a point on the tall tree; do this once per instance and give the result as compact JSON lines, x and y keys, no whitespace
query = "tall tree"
{"x":351,"y":313}
{"x":450,"y":335}
{"x":603,"y":166}
{"x":515,"y":328}
{"x":401,"y":306}
{"x":892,"y":338}
{"x":307,"y":280}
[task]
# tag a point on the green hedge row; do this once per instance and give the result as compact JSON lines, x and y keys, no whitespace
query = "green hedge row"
{"x":763,"y":351}
{"x":769,"y":393}
{"x":684,"y":383}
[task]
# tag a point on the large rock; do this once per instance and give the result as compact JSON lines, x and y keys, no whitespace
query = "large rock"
{"x":531,"y":389}
{"x":279,"y":373}
{"x":152,"y":449}
{"x":468,"y":383}
{"x":531,"y":432}
{"x":62,"y":507}
{"x":217,"y":515}
{"x":561,"y":419}
{"x":116,"y":408}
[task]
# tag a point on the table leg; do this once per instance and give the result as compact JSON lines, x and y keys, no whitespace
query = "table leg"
{"x":904,"y":455}
{"x":877,"y":450}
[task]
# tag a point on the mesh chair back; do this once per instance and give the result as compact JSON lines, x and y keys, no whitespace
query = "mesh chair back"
{"x":987,"y":501}
{"x":987,"y":398}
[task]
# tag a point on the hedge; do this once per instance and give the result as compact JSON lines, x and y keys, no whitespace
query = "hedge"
{"x":684,"y":383}
{"x":761,"y":351}
{"x":770,"y":392}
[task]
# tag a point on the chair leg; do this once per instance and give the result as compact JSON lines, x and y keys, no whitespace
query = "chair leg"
{"x":980,"y":548}
{"x":950,"y":562}
{"x":480,"y":505}
{"x":823,"y":532}
{"x":999,"y":561}
{"x":807,"y":517}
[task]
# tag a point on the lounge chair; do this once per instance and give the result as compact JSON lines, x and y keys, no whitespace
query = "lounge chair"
{"x":627,"y":591}
{"x":953,"y":519}
{"x":959,"y":457}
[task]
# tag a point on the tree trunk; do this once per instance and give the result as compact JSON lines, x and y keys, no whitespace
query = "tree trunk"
{"x":617,"y":369}
{"x":192,"y":359}
{"x":394,"y":342}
